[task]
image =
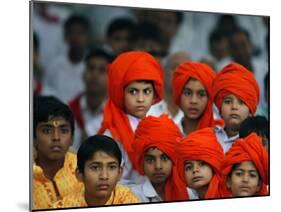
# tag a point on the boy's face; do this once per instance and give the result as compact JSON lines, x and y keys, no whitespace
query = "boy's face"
{"x":194,"y":99}
{"x":77,"y":37}
{"x":119,"y":41}
{"x":101,"y":174}
{"x":234,"y":111}
{"x":244,"y":180}
{"x":138,"y":98}
{"x":157,"y":165}
{"x":53,"y":138}
{"x":198,"y":174}
{"x":95,"y":75}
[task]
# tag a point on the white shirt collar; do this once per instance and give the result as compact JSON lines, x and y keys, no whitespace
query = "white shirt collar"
{"x":133,"y":121}
{"x":149,"y":191}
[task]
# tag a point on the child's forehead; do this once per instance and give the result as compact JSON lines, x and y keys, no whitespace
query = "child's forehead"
{"x":55,"y":121}
{"x":154,"y":151}
{"x":139,"y":84}
{"x":231,"y":96}
{"x":102,"y":157}
{"x":246,"y":165}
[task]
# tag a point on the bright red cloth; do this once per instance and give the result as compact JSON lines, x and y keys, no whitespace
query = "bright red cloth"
{"x":200,"y":145}
{"x":205,"y":75}
{"x":126,"y":68}
{"x":245,"y":149}
{"x":236,"y":79}
{"x":160,"y":132}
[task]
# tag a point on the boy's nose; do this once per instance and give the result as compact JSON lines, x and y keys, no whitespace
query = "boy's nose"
{"x":194,"y":99}
{"x":56,"y":134}
{"x":104,"y":174}
{"x":140,"y":97}
{"x":158,"y":164}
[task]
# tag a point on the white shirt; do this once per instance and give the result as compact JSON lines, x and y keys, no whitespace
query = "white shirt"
{"x":65,"y":78}
{"x":192,"y":194}
{"x":146,"y":192}
{"x":225,"y":141}
{"x":130,"y":176}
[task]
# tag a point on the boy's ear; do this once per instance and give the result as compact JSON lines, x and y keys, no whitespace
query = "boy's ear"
{"x":228,"y":182}
{"x":79,"y":175}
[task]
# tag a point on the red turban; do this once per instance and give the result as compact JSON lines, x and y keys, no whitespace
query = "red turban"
{"x":160,"y":132}
{"x":200,"y":145}
{"x":205,"y":75}
{"x":237,"y":80}
{"x":245,"y":149}
{"x":126,"y":68}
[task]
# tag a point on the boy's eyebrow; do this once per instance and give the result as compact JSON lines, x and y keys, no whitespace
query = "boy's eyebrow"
{"x":149,"y":156}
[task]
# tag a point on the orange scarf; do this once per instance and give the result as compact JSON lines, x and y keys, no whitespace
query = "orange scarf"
{"x":205,"y":75}
{"x":245,"y":149}
{"x":126,"y":68}
{"x":160,"y":132}
{"x":201,"y":145}
{"x":236,"y":79}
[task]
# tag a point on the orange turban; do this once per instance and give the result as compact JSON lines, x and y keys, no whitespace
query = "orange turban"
{"x":245,"y":149}
{"x":205,"y":75}
{"x":126,"y":68}
{"x":160,"y":132}
{"x":236,"y":79}
{"x":200,"y":145}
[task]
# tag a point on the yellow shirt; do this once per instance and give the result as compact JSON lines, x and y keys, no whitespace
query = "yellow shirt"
{"x":46,"y":192}
{"x":120,"y":195}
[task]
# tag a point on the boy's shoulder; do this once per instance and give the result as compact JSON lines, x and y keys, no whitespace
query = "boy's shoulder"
{"x":75,"y":199}
{"x":124,"y":195}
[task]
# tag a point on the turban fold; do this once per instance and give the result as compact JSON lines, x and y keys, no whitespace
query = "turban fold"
{"x":162,"y":133}
{"x":126,"y":68}
{"x":205,"y":75}
{"x":237,"y":80}
{"x":201,"y":145}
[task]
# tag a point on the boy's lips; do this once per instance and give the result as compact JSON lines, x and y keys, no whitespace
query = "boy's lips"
{"x":159,"y":174}
{"x":197,"y":179}
{"x":140,"y":108}
{"x":234,"y":116}
{"x":56,"y":148}
{"x":103,"y":187}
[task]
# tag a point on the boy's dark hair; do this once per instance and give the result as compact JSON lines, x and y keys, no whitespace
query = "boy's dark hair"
{"x":76,"y":19}
{"x":257,"y":124}
{"x":94,"y":144}
{"x":35,"y":42}
{"x":266,"y":80}
{"x":179,"y":17}
{"x":216,"y":35}
{"x":120,"y":24}
{"x":98,"y":53}
{"x":147,"y":31}
{"x":46,"y":107}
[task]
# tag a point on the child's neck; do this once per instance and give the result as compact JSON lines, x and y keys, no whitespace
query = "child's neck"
{"x":189,"y":125}
{"x":202,"y":191}
{"x":231,"y":131}
{"x":160,"y":189}
{"x":49,"y":167}
{"x":92,"y":201}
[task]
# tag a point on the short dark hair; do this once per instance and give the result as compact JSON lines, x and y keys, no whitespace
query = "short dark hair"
{"x":76,"y":19}
{"x":257,"y":124}
{"x":179,"y":17}
{"x":98,"y":53}
{"x":45,"y":107}
{"x":147,"y":31}
{"x":120,"y":24}
{"x":94,"y":144}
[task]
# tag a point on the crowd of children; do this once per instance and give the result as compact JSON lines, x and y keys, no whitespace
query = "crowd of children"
{"x":129,"y":131}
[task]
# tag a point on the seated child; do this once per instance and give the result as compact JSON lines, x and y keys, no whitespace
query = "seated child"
{"x":257,"y":124}
{"x":245,"y":169}
{"x":200,"y":157}
{"x":135,"y":82}
{"x":154,"y":145}
{"x":99,"y":169}
{"x":192,"y":87}
{"x":236,"y":95}
{"x":53,"y":167}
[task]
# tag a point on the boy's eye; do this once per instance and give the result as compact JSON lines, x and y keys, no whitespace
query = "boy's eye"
{"x":226,"y":101}
{"x":253,"y":175}
{"x":94,"y":168}
{"x":148,"y":91}
{"x":47,"y":130}
{"x":202,"y":163}
{"x":164,"y":157}
{"x":112,"y":167}
{"x":202,"y":94}
{"x":238,"y":174}
{"x":241,"y":102}
{"x":149,"y":160}
{"x":187,"y":92}
{"x":188,"y":167}
{"x":133,"y":91}
{"x":65,"y":130}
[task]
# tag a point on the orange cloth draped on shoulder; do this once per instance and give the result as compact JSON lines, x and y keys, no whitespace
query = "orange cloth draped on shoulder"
{"x":201,"y":145}
{"x":162,"y":133}
{"x":245,"y":149}
{"x":237,"y":80}
{"x":126,"y":68}
{"x":205,"y":75}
